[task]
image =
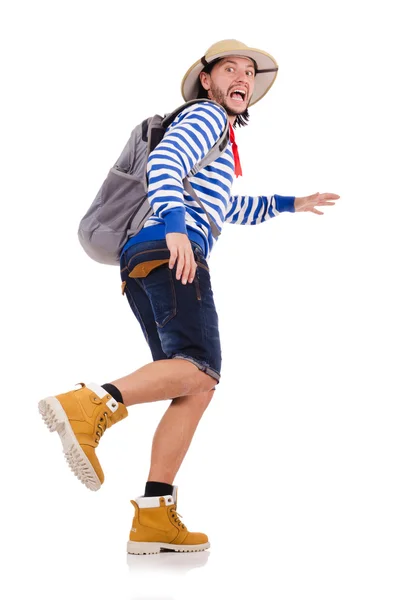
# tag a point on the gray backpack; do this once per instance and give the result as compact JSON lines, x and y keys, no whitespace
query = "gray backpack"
{"x":121,"y":207}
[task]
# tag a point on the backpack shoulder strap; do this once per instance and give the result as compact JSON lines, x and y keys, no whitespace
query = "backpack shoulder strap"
{"x":216,"y":151}
{"x":189,"y":189}
{"x":171,"y":116}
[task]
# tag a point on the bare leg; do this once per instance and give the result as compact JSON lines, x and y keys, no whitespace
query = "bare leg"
{"x":163,"y":380}
{"x":174,"y":435}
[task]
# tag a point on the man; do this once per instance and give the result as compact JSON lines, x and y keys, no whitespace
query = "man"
{"x":166,"y":279}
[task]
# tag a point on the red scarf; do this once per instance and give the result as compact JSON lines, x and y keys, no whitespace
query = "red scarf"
{"x":237,"y":165}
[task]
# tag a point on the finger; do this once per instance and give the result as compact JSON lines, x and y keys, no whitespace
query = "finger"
{"x":318,"y":212}
{"x":192,"y":272}
{"x":188,"y":263}
{"x":181,"y":263}
{"x":193,"y":267}
{"x":328,"y":196}
{"x":173,"y":257}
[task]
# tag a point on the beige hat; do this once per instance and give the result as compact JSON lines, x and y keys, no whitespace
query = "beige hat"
{"x":266,"y":68}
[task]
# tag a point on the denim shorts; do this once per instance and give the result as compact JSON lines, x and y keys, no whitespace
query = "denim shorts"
{"x":177,"y":320}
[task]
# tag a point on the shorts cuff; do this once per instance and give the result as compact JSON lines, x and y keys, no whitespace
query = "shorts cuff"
{"x":203,"y":366}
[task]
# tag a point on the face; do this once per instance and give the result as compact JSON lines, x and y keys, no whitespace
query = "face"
{"x":231,"y":83}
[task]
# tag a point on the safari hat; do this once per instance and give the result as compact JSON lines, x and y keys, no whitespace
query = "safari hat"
{"x":266,"y":68}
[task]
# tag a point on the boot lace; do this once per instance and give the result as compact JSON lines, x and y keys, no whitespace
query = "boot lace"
{"x":104,"y":420}
{"x":177,"y":518}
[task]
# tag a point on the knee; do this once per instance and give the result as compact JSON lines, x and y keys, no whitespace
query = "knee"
{"x":197,"y":402}
{"x":206,"y":383}
{"x":209,"y":395}
{"x":205,"y":398}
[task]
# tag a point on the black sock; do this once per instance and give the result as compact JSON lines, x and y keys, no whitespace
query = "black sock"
{"x":156,"y":488}
{"x":113,"y":391}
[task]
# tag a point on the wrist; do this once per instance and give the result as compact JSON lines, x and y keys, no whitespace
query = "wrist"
{"x":285,"y":203}
{"x":175,"y":221}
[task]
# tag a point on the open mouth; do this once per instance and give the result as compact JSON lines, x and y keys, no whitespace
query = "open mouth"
{"x":238,"y":95}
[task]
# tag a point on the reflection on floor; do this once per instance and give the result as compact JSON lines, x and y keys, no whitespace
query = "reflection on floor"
{"x":152,"y":598}
{"x":167,"y":562}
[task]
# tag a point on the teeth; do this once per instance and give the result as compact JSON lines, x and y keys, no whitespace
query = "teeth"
{"x":240,"y":91}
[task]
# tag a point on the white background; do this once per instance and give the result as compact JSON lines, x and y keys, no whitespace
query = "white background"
{"x":292,"y":472}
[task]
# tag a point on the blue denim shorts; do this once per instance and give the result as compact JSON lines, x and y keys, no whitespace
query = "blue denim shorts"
{"x":177,"y":320}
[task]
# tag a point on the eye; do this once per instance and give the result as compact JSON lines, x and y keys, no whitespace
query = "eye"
{"x":229,"y":69}
{"x":250,"y":73}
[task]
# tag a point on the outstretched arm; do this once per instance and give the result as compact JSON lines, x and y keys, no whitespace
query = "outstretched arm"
{"x":252,"y":210}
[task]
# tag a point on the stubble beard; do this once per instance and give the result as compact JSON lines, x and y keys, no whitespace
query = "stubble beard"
{"x":221,"y":98}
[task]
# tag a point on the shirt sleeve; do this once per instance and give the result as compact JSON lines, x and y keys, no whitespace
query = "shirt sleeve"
{"x":188,"y":139}
{"x":252,"y":210}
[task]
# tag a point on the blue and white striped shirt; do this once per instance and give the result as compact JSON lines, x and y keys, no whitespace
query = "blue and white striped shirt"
{"x":186,"y":141}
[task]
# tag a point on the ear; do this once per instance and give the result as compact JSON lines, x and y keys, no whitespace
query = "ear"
{"x":205,"y":80}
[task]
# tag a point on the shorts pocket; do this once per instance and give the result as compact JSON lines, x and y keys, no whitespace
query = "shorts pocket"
{"x":202,"y":278}
{"x":155,"y":278}
{"x":144,"y":268}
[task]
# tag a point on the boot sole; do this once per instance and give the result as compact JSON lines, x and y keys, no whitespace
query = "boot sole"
{"x":56,"y":420}
{"x":156,"y":547}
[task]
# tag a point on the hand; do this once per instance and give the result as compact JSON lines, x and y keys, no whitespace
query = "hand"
{"x":181,"y":251}
{"x":307,"y":203}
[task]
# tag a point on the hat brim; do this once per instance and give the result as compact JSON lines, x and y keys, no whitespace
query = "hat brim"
{"x":263,"y":81}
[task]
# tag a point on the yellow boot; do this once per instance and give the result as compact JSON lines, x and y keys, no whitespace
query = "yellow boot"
{"x":156,"y":526}
{"x":81,"y":417}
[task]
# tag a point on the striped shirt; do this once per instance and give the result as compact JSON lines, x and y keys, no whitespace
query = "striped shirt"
{"x":186,"y":141}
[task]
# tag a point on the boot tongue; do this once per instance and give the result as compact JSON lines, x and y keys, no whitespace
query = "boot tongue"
{"x":118,"y":413}
{"x":175,"y":494}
